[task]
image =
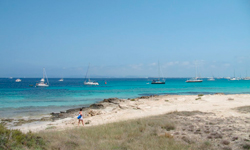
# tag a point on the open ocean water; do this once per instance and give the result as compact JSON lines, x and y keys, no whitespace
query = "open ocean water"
{"x":20,"y":99}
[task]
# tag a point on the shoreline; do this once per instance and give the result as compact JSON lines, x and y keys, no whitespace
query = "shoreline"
{"x":115,"y":110}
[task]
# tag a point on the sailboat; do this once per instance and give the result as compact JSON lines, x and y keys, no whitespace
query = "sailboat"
{"x":61,"y":80}
{"x":42,"y":82}
{"x":89,"y":82}
{"x":211,"y":79}
{"x":234,"y":78}
{"x":196,"y":79}
{"x":246,"y":78}
{"x":18,"y":80}
{"x":158,"y":81}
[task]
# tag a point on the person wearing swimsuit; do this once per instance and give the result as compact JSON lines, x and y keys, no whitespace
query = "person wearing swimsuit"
{"x":81,"y":118}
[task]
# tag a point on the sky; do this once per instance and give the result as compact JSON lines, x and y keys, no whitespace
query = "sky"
{"x":124,"y":38}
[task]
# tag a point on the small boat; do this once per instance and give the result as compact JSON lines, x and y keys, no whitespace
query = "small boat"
{"x":196,"y":79}
{"x":18,"y":80}
{"x":42,"y":82}
{"x":233,"y":79}
{"x":158,"y":81}
{"x":89,"y":82}
{"x":246,"y":78}
{"x":61,"y":80}
{"x":211,"y":79}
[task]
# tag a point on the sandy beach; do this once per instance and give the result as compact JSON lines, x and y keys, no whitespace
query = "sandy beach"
{"x":215,"y":116}
{"x":114,"y":109}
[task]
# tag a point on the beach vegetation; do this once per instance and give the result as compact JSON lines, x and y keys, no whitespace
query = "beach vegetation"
{"x":166,"y":100}
{"x":200,"y":95}
{"x":51,"y":127}
{"x":198,"y":98}
{"x":132,"y":99}
{"x":15,"y":139}
{"x":155,"y":132}
{"x":146,"y":133}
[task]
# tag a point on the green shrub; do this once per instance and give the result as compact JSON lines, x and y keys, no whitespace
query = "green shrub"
{"x":15,"y":139}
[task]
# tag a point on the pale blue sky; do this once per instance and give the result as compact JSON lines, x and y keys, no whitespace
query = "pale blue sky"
{"x":124,"y":38}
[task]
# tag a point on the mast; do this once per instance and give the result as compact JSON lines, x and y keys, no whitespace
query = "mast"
{"x":158,"y":70}
{"x":45,"y":75}
{"x":87,"y":73}
{"x":196,"y":70}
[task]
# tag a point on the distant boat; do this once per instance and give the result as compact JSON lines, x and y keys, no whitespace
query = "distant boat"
{"x":89,"y":82}
{"x":61,"y":80}
{"x":10,"y":77}
{"x":211,"y":79}
{"x":196,"y":79}
{"x":246,"y":78}
{"x":42,"y":82}
{"x":234,"y":78}
{"x":159,"y":80}
{"x":18,"y":80}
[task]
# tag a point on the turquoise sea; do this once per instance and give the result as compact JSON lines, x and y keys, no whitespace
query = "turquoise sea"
{"x":21,"y":99}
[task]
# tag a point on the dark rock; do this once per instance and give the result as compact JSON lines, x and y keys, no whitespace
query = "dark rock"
{"x":234,"y":138}
{"x":225,"y":142}
{"x":96,"y":106}
{"x":72,"y":110}
{"x":7,"y":120}
{"x":112,"y":100}
{"x":145,"y":97}
{"x":219,"y":94}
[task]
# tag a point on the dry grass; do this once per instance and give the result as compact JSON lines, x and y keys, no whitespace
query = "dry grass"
{"x":141,"y":134}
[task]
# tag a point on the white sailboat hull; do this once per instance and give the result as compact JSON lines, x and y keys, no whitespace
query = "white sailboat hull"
{"x":91,"y":83}
{"x":188,"y":81}
{"x":42,"y":85}
{"x":42,"y":82}
{"x":211,"y":79}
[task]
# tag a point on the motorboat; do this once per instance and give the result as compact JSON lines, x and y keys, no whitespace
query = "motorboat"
{"x":18,"y":80}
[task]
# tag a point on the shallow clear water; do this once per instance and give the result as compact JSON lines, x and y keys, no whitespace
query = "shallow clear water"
{"x":20,"y":99}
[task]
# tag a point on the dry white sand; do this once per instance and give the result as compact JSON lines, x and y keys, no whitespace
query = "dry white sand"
{"x":219,"y":104}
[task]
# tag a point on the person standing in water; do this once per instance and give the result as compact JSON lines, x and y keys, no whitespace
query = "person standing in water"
{"x":80,"y":118}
